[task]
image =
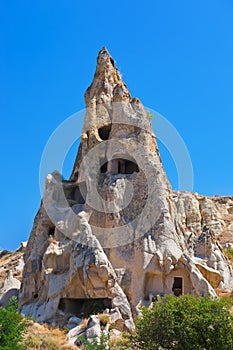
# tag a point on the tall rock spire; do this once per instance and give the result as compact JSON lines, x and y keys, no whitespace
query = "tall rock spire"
{"x":111,"y":233}
{"x":106,"y":79}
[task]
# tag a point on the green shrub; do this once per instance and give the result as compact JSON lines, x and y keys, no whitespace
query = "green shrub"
{"x":229,"y":253}
{"x":95,"y":345}
{"x":185,"y":323}
{"x":12,"y":327}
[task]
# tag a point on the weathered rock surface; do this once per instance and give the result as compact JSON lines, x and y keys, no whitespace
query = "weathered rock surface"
{"x":197,"y":212}
{"x":11,"y":261}
{"x":9,"y":289}
{"x":93,"y":328}
{"x":207,"y":221}
{"x":115,"y":235}
{"x":74,"y":333}
{"x":74,"y":322}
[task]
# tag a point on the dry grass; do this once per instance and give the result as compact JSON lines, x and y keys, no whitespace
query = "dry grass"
{"x":115,"y":341}
{"x":52,"y":240}
{"x":104,"y":319}
{"x":43,"y":337}
{"x":84,"y":323}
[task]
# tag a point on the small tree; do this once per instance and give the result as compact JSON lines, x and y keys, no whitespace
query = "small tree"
{"x":101,"y":344}
{"x":12,"y":327}
{"x":185,"y":323}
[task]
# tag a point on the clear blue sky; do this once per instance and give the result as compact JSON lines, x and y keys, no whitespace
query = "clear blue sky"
{"x":176,"y":56}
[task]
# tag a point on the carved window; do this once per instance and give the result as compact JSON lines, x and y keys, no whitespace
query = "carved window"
{"x":104,"y":166}
{"x":177,"y":287}
{"x":104,"y":132}
{"x":51,"y":230}
{"x":124,"y":166}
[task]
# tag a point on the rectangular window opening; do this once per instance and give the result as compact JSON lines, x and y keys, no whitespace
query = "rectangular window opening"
{"x":177,"y":287}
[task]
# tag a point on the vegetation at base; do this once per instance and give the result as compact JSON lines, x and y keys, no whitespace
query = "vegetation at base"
{"x":173,"y":324}
{"x":184,"y":323}
{"x":12,"y":327}
{"x":102,"y":344}
{"x":229,"y":253}
{"x":46,"y":337}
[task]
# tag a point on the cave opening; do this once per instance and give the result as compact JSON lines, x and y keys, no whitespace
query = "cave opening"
{"x":51,"y":230}
{"x":84,"y":307}
{"x":104,"y":132}
{"x":124,"y":166}
{"x":177,"y":287}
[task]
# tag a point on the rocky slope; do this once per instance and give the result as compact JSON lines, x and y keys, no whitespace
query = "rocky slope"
{"x":196,"y":212}
{"x":11,"y":267}
{"x":115,"y":236}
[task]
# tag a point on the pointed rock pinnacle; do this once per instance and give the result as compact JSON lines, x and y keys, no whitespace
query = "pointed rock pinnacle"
{"x":107,"y":84}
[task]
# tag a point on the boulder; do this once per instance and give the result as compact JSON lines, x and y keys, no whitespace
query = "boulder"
{"x":74,"y":322}
{"x":9,"y":289}
{"x":93,"y":329}
{"x":74,"y":333}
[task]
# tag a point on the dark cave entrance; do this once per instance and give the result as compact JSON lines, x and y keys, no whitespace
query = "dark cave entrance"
{"x":124,"y":166}
{"x":81,"y":193}
{"x":51,"y":230}
{"x":84,"y":307}
{"x":177,"y":287}
{"x":104,"y":166}
{"x":104,"y":132}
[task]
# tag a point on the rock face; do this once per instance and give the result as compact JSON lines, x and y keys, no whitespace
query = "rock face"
{"x":9,"y":289}
{"x":197,"y":212}
{"x":115,"y":235}
{"x":206,"y":221}
{"x":11,"y":266}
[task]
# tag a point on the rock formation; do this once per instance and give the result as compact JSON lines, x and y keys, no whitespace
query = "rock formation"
{"x":114,"y":236}
{"x":9,"y":289}
{"x":11,"y":266}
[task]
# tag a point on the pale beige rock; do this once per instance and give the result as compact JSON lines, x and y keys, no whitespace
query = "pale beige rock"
{"x":212,"y":221}
{"x":93,"y":328}
{"x":116,"y":319}
{"x":115,"y":234}
{"x":74,"y":334}
{"x":216,"y":213}
{"x":9,"y":289}
{"x":211,"y":275}
{"x":22,"y":247}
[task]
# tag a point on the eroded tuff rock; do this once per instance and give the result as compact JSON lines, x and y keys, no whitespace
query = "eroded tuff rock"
{"x":207,"y":221}
{"x":11,"y":266}
{"x":9,"y":289}
{"x":114,"y":235}
{"x":197,"y":212}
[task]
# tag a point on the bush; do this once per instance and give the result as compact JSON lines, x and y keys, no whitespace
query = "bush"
{"x":185,"y":323}
{"x":12,"y":327}
{"x":95,"y":345}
